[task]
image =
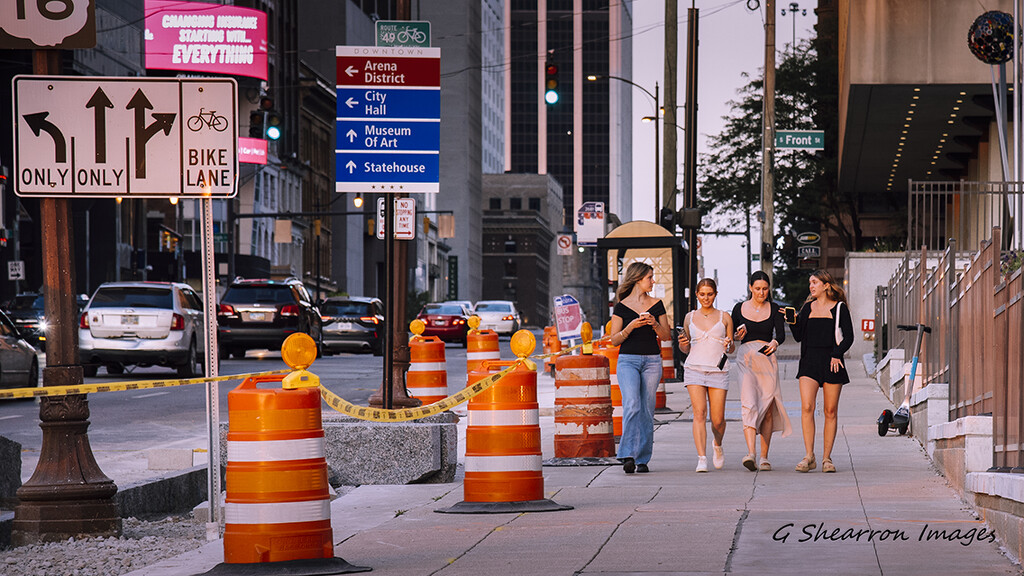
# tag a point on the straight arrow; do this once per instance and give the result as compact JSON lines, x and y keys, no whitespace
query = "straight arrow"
{"x":351,"y":135}
{"x":351,"y":166}
{"x":99,"y":102}
{"x":38,"y":123}
{"x":161,"y":122}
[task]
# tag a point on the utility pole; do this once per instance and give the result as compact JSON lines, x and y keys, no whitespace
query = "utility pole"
{"x":768,"y":143}
{"x":690,"y":151}
{"x":670,"y":159}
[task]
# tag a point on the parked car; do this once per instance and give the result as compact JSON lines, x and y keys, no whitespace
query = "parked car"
{"x":464,"y":303}
{"x":261,"y":313}
{"x":27,"y":313}
{"x":353,"y":323}
{"x":498,"y":315}
{"x":142,"y":324}
{"x":446,"y":321}
{"x":19,"y":366}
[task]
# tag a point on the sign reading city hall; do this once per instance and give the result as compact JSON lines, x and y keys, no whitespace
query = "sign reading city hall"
{"x":80,"y":136}
{"x":388,"y":119}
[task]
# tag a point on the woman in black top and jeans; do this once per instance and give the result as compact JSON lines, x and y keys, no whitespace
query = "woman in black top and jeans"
{"x":821,"y":362}
{"x":639,"y":324}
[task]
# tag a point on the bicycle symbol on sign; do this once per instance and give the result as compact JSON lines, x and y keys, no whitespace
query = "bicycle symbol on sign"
{"x":210,"y":119}
{"x":411,"y":34}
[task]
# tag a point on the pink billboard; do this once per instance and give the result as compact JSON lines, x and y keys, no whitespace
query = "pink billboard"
{"x":200,"y":37}
{"x":252,"y":150}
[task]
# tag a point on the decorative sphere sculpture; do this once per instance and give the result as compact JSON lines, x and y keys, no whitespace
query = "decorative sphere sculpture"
{"x":991,"y":37}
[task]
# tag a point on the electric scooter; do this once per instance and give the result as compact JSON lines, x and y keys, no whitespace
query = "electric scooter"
{"x":900,"y":420}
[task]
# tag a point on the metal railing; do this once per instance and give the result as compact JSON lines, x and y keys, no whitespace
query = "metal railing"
{"x":964,"y":211}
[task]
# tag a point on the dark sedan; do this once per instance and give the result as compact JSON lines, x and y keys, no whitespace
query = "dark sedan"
{"x":353,"y":324}
{"x":28,"y":314}
{"x":446,"y":321}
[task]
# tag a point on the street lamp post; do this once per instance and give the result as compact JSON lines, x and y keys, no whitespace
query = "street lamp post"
{"x":794,"y":8}
{"x":657,"y":132}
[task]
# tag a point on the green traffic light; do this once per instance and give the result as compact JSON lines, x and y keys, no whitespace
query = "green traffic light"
{"x":551,"y":97}
{"x":273,"y":133}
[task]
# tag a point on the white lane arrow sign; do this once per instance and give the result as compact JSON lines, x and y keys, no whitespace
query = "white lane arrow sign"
{"x":351,"y":103}
{"x":351,"y":136}
{"x":351,"y":166}
{"x":351,"y":71}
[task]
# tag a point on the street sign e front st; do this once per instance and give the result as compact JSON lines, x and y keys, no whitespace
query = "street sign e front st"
{"x":78,"y":136}
{"x":800,"y":139}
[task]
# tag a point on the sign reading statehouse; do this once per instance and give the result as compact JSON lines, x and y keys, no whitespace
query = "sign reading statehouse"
{"x":81,"y":136}
{"x":388,"y":126}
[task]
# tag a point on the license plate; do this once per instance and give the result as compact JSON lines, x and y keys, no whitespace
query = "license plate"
{"x":258,"y":316}
{"x":130,"y":319}
{"x":344,"y":326}
{"x":438,"y":322}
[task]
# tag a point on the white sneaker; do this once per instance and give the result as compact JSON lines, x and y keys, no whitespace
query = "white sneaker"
{"x":718,"y":459}
{"x":702,"y":464}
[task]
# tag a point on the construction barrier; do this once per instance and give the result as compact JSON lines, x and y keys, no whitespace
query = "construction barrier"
{"x":503,"y":452}
{"x":583,"y":407}
{"x":552,"y":345}
{"x":610,"y":352}
{"x":278,"y":505}
{"x":668,"y":372}
{"x":481,"y":346}
{"x":428,"y":377}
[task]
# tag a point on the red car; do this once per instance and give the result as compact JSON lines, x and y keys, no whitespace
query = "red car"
{"x":446,"y":321}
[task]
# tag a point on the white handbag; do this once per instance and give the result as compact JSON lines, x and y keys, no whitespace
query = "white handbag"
{"x":839,"y":331}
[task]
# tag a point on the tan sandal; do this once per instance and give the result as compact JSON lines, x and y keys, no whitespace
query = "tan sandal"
{"x":807,"y":464}
{"x":827,"y":465}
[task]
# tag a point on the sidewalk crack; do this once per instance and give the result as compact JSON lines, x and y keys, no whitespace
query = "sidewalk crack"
{"x":612,"y":535}
{"x":452,"y":561}
{"x":860,"y":498}
{"x":739,"y":527}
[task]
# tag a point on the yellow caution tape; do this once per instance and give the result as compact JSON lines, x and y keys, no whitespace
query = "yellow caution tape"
{"x":406,"y":414}
{"x":120,"y":386}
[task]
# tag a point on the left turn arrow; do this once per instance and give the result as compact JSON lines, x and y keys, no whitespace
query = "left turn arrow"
{"x":38,"y":123}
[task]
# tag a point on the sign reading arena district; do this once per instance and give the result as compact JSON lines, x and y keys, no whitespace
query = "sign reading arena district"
{"x":81,"y":136}
{"x":388,"y":119}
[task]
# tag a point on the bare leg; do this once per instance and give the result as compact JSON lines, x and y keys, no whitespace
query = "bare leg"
{"x":716,"y":398}
{"x":830,"y":406}
{"x":808,"y":397}
{"x":699,"y":402}
{"x":750,"y":434}
{"x":766,"y":429}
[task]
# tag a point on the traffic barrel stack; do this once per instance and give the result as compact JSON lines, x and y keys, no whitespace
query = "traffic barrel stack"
{"x":503,"y":451}
{"x":481,"y":345}
{"x":605,"y":348}
{"x":278,"y":506}
{"x":552,"y":345}
{"x":668,"y":372}
{"x":428,"y":376}
{"x":583,"y":405}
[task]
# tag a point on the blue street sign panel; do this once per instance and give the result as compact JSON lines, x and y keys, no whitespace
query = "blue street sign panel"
{"x":368,"y":170}
{"x":372,"y":103}
{"x":388,"y":119}
{"x":388,"y":135}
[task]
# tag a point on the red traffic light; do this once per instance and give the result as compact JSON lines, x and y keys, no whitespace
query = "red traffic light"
{"x":551,"y":69}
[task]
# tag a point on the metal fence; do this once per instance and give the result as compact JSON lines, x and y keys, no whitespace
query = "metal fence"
{"x":964,"y":211}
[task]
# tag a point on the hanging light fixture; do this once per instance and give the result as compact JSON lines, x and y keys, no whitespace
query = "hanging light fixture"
{"x":358,"y":200}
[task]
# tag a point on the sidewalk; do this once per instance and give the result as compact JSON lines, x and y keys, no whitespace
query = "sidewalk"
{"x":675,"y":521}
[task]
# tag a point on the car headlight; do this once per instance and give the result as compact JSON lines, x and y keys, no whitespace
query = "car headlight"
{"x":43,"y":325}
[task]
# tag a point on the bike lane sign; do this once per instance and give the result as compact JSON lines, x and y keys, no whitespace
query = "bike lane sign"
{"x":80,"y":136}
{"x":409,"y":33}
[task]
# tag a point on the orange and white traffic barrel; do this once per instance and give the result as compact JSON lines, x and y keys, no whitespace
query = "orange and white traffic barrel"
{"x":278,"y":504}
{"x":552,"y":345}
{"x":583,"y":407}
{"x":668,"y":372}
{"x":428,"y":375}
{"x":503,"y":450}
{"x":612,"y":354}
{"x":481,"y":346}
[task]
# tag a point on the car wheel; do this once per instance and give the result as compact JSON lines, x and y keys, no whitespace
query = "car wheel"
{"x":115,"y":368}
{"x":90,"y":370}
{"x":33,"y":374}
{"x":188,"y":369}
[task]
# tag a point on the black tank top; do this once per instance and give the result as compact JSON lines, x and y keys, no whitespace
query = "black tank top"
{"x":642,"y":340}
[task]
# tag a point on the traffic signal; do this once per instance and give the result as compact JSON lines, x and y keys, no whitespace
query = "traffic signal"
{"x":667,"y":219}
{"x":256,"y":124}
{"x":551,"y":83}
{"x":274,"y":125}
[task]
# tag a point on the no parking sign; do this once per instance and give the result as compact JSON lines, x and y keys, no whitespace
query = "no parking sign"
{"x":564,"y":242}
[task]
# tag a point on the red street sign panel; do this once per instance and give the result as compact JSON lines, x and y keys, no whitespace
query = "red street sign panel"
{"x":373,"y":66}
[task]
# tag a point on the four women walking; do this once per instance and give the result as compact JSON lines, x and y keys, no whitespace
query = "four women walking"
{"x":706,"y":335}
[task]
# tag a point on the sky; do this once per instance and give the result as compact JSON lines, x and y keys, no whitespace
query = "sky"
{"x":731,"y":42}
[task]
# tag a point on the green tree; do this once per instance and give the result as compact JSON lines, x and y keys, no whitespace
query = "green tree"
{"x":806,"y":194}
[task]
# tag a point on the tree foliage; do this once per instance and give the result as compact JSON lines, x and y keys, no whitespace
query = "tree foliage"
{"x":806,"y":194}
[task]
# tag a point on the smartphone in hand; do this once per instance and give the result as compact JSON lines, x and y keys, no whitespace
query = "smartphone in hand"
{"x":790,"y":315}
{"x":764,"y":350}
{"x":681,"y":331}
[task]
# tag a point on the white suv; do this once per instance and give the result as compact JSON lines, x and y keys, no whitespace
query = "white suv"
{"x":143,"y":324}
{"x":498,"y":315}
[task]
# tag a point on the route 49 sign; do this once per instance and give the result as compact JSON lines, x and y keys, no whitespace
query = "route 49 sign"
{"x":79,"y":136}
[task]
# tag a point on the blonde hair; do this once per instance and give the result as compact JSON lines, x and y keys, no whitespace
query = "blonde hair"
{"x":634,"y":273}
{"x":832,"y":290}
{"x":707,"y":282}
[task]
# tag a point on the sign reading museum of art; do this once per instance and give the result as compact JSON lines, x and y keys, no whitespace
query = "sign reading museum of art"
{"x":388,"y":119}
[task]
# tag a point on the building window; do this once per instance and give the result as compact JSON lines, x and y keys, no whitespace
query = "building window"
{"x":510,"y":245}
{"x":535,"y":204}
{"x":510,"y":269}
{"x":495,"y":203}
{"x":515,"y":203}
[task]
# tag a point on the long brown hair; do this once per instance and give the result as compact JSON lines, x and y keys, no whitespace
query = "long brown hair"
{"x":634,"y":273}
{"x":832,"y":290}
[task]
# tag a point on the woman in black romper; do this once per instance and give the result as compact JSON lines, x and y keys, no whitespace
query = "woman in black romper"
{"x":821,"y":362}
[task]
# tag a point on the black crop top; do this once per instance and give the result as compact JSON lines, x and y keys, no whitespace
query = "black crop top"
{"x":642,"y":340}
{"x":772,"y":327}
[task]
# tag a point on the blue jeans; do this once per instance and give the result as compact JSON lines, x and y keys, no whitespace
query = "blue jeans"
{"x":639,"y":376}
